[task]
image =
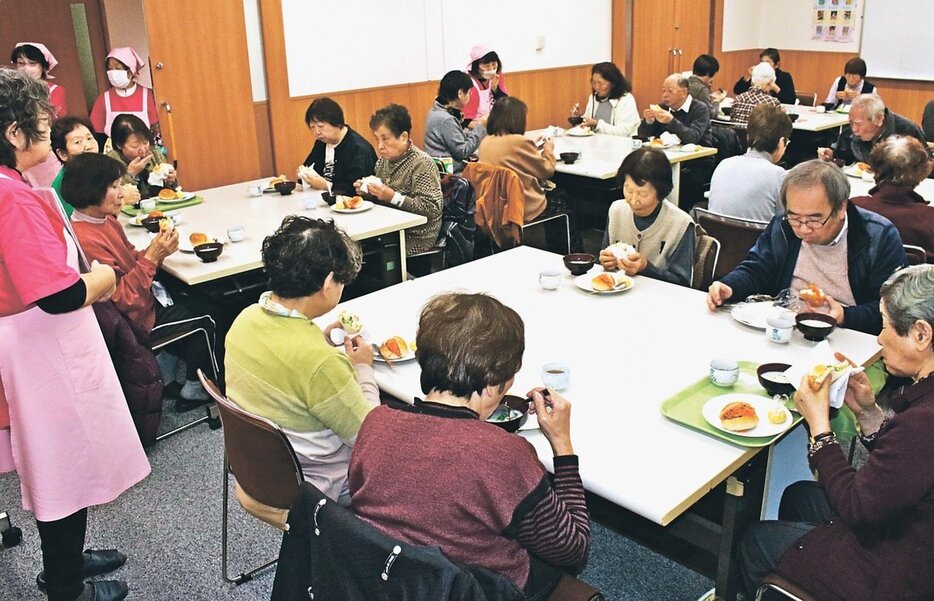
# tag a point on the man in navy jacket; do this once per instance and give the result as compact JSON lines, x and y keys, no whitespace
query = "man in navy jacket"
{"x":822,"y":239}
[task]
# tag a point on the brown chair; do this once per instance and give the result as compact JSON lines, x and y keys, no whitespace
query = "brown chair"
{"x":736,"y":237}
{"x":916,"y":254}
{"x":501,"y":205}
{"x":706,"y":254}
{"x":806,"y":98}
{"x":268,"y":475}
{"x":780,"y":584}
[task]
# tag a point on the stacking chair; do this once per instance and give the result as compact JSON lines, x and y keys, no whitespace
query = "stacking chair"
{"x":806,"y":98}
{"x":268,"y":475}
{"x":706,"y":253}
{"x":736,"y":237}
{"x":779,"y":584}
{"x":501,"y":202}
{"x":927,"y":121}
{"x":916,"y":254}
{"x":455,"y":244}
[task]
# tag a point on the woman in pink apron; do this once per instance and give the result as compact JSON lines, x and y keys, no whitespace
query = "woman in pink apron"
{"x":489,"y":83}
{"x":71,"y":438}
{"x":36,"y":60}
{"x":127,"y":96}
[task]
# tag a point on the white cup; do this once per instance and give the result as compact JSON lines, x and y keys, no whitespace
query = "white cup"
{"x":549,"y":279}
{"x":779,"y":329}
{"x":556,"y":375}
{"x":724,"y":372}
{"x":236,"y":233}
{"x":255,"y":190}
{"x":148,"y":204}
{"x":636,"y":143}
{"x":311,"y":201}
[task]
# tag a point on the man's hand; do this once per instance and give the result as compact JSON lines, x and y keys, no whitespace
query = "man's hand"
{"x":717,"y":294}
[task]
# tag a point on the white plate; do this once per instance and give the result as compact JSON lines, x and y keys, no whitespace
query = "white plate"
{"x":659,"y":146}
{"x":854,"y":171}
{"x":755,"y":314}
{"x":184,"y":244}
{"x":407,"y":357}
{"x":623,"y":283}
{"x":137,"y":221}
{"x":580,"y":133}
{"x":184,"y":196}
{"x":366,"y":205}
{"x":714,"y":406}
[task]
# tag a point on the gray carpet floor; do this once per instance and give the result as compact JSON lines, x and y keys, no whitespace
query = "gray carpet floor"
{"x":169,"y":526}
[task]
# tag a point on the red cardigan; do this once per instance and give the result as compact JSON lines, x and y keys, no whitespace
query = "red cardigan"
{"x":880,"y":544}
{"x":912,"y":215}
{"x":106,"y":242}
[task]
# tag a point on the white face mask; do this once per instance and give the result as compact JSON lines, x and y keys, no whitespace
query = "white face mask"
{"x":118,"y":78}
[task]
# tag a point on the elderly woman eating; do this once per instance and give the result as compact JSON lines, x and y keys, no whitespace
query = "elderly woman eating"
{"x":899,"y":164}
{"x":408,"y":178}
{"x":763,"y":82}
{"x":72,"y":136}
{"x":436,"y":473}
{"x":135,"y":148}
{"x":340,"y":156}
{"x":92,"y":185}
{"x":649,"y":235}
{"x":866,"y":534}
{"x":445,"y":135}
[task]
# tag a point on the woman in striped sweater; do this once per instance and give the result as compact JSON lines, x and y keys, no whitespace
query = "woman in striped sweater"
{"x":436,"y":473}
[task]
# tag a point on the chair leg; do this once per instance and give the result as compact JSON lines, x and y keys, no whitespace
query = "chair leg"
{"x":211,"y":416}
{"x":247,"y":575}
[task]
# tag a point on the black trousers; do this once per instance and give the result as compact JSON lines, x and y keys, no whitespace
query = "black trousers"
{"x":62,"y":543}
{"x":804,"y":505}
{"x":198,"y":350}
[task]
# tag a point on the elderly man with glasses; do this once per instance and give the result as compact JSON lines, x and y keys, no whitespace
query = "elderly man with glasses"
{"x":824,"y":240}
{"x":870,"y":123}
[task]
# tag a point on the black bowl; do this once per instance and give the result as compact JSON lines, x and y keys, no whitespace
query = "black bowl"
{"x":812,"y":332}
{"x":793,"y":116}
{"x":579,"y":263}
{"x":511,"y":402}
{"x":209,"y":251}
{"x":152,"y":224}
{"x":771,"y":387}
{"x":726,"y":110}
{"x":285,"y":188}
{"x":575,"y":121}
{"x":829,"y":106}
{"x":569,"y":157}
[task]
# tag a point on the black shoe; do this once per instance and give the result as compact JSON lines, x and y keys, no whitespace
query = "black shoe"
{"x":104,"y":590}
{"x":95,"y":564}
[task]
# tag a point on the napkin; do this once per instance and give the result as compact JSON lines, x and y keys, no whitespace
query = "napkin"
{"x":370,"y":179}
{"x":821,"y":353}
{"x":690,"y":147}
{"x":158,"y":174}
{"x":669,"y":138}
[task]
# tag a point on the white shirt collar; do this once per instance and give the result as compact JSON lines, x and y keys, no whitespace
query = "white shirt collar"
{"x":842,"y":233}
{"x":686,"y":107}
{"x":271,"y":306}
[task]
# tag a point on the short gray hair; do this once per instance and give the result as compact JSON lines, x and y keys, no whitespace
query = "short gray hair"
{"x":680,"y":79}
{"x":871,"y":105}
{"x":818,"y":173}
{"x":762,"y":74}
{"x":908,"y":296}
{"x":901,"y":161}
{"x":23,"y":101}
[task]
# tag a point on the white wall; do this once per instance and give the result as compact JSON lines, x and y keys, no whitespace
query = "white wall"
{"x":897,"y":39}
{"x":126,"y":26}
{"x":254,"y":48}
{"x":370,"y":43}
{"x":786,"y":25}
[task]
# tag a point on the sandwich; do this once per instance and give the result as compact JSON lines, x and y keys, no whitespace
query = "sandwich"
{"x":603,"y":282}
{"x":162,"y":169}
{"x":276,"y":180}
{"x":155,"y":214}
{"x":350,"y":323}
{"x":821,"y":372}
{"x":622,"y":250}
{"x":864,"y":167}
{"x":198,"y":238}
{"x":738,"y":416}
{"x":655,"y":108}
{"x":813,"y":295}
{"x":166,"y":224}
{"x":394,"y":349}
{"x":167,"y":194}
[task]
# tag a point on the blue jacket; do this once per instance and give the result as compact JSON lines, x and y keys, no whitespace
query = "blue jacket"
{"x":875,"y":252}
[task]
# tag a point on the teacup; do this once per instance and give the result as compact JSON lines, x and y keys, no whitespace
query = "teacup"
{"x":779,"y":328}
{"x":724,"y":372}
{"x":549,"y":279}
{"x":148,"y":204}
{"x":236,"y":233}
{"x":820,"y":109}
{"x":636,"y":143}
{"x":255,"y":190}
{"x":556,"y":375}
{"x":310,"y":202}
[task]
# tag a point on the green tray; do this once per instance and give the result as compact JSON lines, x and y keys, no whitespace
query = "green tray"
{"x":685,"y":407}
{"x":163,"y":206}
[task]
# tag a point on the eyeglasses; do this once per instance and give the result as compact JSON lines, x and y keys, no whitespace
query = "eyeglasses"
{"x":787,"y":142}
{"x":810,"y":222}
{"x":643,"y":194}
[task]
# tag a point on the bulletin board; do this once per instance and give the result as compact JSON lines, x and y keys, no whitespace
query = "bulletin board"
{"x":791,"y":24}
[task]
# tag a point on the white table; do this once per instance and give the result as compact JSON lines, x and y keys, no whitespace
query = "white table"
{"x":861,"y":187}
{"x":602,"y":154}
{"x":261,"y":215}
{"x":809,"y":119}
{"x":627,"y":352}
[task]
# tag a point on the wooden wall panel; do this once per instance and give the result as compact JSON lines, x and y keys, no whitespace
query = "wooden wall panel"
{"x":815,"y":71}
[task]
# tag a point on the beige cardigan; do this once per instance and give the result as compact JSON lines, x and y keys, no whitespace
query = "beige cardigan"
{"x":516,"y":152}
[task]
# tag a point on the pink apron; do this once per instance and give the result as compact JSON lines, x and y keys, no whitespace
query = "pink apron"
{"x":484,"y":97}
{"x":73,"y":440}
{"x":110,"y":115}
{"x":43,"y":174}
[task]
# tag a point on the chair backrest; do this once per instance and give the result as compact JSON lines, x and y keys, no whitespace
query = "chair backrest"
{"x":806,"y":98}
{"x":260,"y":455}
{"x":706,"y":253}
{"x":790,"y":590}
{"x":916,"y":254}
{"x":736,"y":237}
{"x":500,"y":202}
{"x":927,"y":121}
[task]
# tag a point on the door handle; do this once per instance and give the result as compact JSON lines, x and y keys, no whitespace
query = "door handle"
{"x":159,"y":66}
